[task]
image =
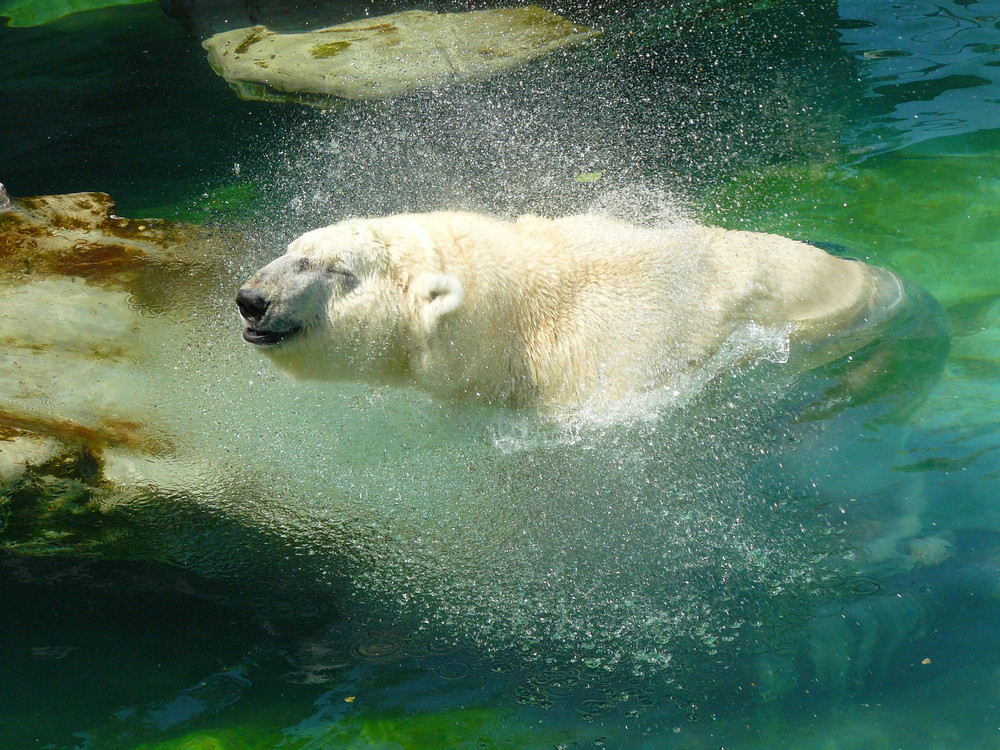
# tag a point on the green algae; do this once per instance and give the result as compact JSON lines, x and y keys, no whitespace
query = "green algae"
{"x":256,"y":34}
{"x":238,"y":200}
{"x":328,"y":49}
{"x":466,"y":727}
{"x":37,"y":12}
{"x":922,"y":210}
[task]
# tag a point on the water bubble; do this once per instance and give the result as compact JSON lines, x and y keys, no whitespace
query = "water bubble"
{"x":378,"y":651}
{"x":452,"y":670}
{"x":862,"y":585}
{"x":594,"y":707}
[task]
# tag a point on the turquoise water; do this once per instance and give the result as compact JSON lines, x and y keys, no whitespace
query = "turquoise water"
{"x":386,"y":571}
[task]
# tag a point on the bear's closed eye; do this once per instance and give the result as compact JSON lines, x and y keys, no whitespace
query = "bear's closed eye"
{"x":349,"y":280}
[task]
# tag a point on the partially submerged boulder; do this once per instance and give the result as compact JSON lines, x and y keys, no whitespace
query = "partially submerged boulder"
{"x":78,"y":235}
{"x":83,"y":291}
{"x":101,"y":450}
{"x":377,"y":58}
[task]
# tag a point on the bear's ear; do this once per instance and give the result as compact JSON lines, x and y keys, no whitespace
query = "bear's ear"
{"x":434,"y":296}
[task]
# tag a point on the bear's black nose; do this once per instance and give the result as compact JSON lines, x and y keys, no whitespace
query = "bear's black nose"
{"x":252,"y":304}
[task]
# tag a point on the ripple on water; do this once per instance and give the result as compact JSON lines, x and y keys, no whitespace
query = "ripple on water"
{"x":884,"y":54}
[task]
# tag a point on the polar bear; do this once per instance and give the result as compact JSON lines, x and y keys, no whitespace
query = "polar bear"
{"x":575,"y":310}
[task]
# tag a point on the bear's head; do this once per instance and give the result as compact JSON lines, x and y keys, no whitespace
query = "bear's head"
{"x":354,"y":300}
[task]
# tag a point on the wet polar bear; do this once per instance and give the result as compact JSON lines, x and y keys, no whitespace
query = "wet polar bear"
{"x":572,"y":311}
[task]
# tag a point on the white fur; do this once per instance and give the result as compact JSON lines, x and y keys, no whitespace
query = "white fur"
{"x":539,"y":311}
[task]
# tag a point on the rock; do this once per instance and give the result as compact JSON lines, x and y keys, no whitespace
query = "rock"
{"x":83,"y":291}
{"x":80,"y":239}
{"x":20,"y":450}
{"x":377,"y":58}
{"x":79,"y":235}
{"x":101,"y":449}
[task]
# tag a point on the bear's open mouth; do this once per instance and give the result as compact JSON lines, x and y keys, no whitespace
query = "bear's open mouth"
{"x":268,"y":338}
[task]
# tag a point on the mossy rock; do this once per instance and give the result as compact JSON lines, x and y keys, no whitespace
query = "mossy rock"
{"x":386,"y":56}
{"x":90,"y":298}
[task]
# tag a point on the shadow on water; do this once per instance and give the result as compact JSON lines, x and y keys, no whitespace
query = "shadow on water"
{"x":160,"y":628}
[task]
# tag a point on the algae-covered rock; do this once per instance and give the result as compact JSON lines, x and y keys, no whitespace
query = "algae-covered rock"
{"x":79,"y":236}
{"x":84,"y":294}
{"x":381,"y":57}
{"x":38,"y":12}
{"x":104,"y":447}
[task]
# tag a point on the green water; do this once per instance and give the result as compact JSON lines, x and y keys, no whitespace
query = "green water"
{"x":397,"y":573}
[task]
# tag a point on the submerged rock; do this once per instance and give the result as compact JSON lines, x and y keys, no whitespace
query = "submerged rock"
{"x":83,"y":293}
{"x":104,"y":449}
{"x":377,"y":58}
{"x":79,"y":236}
{"x":20,"y":449}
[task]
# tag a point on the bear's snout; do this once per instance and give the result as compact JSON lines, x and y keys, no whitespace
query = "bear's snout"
{"x":252,"y":304}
